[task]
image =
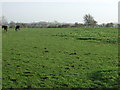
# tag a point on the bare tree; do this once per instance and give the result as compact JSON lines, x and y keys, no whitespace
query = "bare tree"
{"x":4,"y":20}
{"x":0,"y":20}
{"x":89,"y":20}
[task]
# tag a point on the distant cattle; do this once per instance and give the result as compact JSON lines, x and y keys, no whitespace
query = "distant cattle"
{"x":17,"y":28}
{"x":5,"y":28}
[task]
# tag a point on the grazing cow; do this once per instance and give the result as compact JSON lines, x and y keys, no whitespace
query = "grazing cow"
{"x":17,"y":28}
{"x":5,"y":27}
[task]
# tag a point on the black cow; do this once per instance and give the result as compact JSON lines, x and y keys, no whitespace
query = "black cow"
{"x":17,"y":28}
{"x":5,"y":28}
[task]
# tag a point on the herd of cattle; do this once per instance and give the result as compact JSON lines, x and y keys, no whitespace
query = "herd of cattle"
{"x":17,"y":27}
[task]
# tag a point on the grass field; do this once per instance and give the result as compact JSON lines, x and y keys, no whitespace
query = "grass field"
{"x":60,"y":57}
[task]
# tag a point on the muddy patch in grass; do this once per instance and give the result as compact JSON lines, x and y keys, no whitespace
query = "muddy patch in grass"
{"x":85,"y":38}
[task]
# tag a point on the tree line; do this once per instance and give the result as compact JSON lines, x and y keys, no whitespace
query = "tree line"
{"x":89,"y":21}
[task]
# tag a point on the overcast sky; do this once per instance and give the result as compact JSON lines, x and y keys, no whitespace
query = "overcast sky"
{"x":70,"y":11}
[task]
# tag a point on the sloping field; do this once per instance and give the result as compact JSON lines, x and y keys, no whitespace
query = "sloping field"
{"x":60,"y":57}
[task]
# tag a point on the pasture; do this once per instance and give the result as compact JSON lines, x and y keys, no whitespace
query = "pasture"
{"x":60,"y":58}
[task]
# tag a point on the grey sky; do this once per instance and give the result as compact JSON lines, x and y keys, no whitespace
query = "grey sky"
{"x":119,"y":13}
{"x":73,"y":11}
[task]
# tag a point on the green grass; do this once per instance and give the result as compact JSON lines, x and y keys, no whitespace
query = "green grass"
{"x":60,"y":57}
{"x":0,"y":59}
